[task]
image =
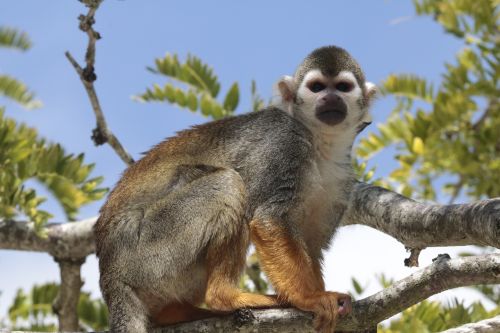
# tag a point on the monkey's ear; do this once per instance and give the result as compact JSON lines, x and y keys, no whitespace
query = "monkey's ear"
{"x":286,"y":87}
{"x":371,"y":92}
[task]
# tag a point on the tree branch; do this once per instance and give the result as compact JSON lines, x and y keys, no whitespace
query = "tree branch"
{"x":101,"y":134}
{"x":491,"y":325}
{"x":414,"y":224}
{"x":443,"y":274}
{"x":66,"y":303}
{"x":412,"y":261}
{"x":419,"y":225}
{"x":73,"y":240}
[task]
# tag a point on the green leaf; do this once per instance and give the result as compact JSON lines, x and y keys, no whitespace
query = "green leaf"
{"x":232,"y":98}
{"x":18,"y":92}
{"x":206,"y":105}
{"x":192,"y":101}
{"x":192,"y":72}
{"x":14,"y":38}
{"x":409,"y":86}
{"x":357,"y":286}
{"x":180,"y":97}
{"x":33,"y":311}
{"x":198,"y":87}
{"x":257,"y":102}
{"x":25,"y":156}
{"x":418,"y":146}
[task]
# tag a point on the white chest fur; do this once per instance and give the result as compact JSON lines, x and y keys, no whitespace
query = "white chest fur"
{"x":333,"y":161}
{"x":331,"y":174}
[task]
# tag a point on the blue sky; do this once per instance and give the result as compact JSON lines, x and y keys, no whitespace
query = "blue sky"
{"x":260,"y":40}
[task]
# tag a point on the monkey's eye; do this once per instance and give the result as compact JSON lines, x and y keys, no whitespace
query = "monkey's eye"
{"x":316,"y":86}
{"x":344,"y":86}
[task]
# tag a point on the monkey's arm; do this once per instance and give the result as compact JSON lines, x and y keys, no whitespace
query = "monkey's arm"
{"x":295,"y":275}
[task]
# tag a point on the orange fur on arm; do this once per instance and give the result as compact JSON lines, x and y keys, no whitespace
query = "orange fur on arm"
{"x":293,"y":273}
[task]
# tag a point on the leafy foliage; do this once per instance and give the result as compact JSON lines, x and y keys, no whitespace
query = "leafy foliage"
{"x":24,"y":156}
{"x":13,"y":38}
{"x":253,"y":280}
{"x":436,"y":130}
{"x":257,"y":101}
{"x":432,"y":316}
{"x":9,"y":86}
{"x":18,"y":92}
{"x":33,"y":311}
{"x":200,"y":87}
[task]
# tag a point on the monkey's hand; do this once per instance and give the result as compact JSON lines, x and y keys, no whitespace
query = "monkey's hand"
{"x":326,"y":306}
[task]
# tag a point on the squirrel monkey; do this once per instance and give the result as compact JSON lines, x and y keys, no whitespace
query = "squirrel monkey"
{"x":175,"y":230}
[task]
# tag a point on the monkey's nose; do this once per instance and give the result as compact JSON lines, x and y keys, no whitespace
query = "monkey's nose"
{"x":331,"y":99}
{"x":331,"y":109}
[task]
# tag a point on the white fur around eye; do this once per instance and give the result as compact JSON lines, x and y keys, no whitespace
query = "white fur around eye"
{"x":312,"y":75}
{"x":347,"y":77}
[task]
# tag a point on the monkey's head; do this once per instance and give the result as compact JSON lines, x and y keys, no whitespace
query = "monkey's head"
{"x":328,"y":91}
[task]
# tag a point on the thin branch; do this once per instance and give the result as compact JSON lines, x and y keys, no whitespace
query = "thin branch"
{"x":491,"y":325}
{"x":412,"y":261}
{"x":419,"y":225}
{"x":441,"y":275}
{"x":101,"y":134}
{"x":492,"y":107}
{"x":457,"y":188}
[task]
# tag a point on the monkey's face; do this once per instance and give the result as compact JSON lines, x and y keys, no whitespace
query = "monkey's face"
{"x":331,"y":102}
{"x":328,"y":103}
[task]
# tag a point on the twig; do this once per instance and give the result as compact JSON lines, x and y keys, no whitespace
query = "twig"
{"x":492,"y":107}
{"x":412,"y":260}
{"x":457,"y":188}
{"x":101,"y":134}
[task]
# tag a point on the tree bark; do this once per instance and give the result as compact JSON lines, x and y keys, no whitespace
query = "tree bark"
{"x":66,"y":303}
{"x":491,"y":325}
{"x":419,"y":225}
{"x":73,"y":240}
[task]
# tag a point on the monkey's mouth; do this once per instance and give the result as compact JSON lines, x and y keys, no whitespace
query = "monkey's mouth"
{"x":331,"y":116}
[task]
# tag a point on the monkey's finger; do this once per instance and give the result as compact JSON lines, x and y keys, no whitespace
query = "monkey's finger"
{"x":344,"y":305}
{"x":344,"y":311}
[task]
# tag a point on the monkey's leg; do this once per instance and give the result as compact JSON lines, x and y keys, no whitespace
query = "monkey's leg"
{"x":210,"y":241}
{"x":127,"y":312}
{"x":225,"y":263}
{"x":295,"y":275}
